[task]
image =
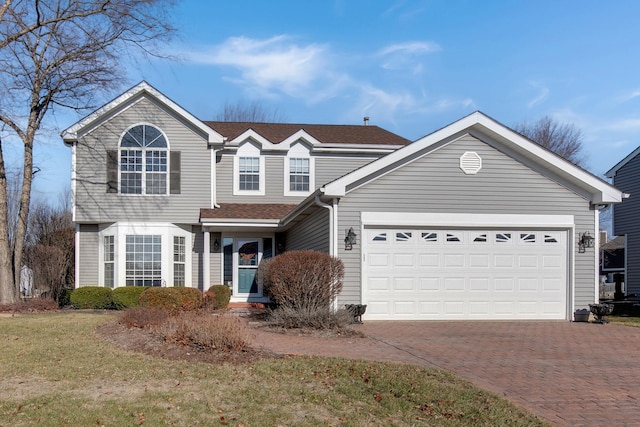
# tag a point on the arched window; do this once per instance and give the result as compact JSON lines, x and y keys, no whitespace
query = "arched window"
{"x":143,"y":161}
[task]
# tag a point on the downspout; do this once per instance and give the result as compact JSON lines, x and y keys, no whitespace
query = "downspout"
{"x":214,"y":193}
{"x":214,"y":186}
{"x":332,"y":235}
{"x":331,"y":221}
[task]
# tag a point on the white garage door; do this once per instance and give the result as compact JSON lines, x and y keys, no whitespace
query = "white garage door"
{"x":464,"y":274}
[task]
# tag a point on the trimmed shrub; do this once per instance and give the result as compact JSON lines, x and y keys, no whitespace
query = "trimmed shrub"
{"x":305,"y":280}
{"x":127,"y":296}
{"x":206,"y":331}
{"x":171,"y":299}
{"x":217,"y":297}
{"x":91,"y":297}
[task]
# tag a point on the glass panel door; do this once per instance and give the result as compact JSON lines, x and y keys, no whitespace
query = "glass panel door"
{"x":249,"y":254}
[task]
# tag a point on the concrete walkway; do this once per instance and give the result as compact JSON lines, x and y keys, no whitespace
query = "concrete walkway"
{"x":571,"y":374}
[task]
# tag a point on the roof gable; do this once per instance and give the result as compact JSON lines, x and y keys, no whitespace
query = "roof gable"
{"x":601,"y":192}
{"x":622,"y":163}
{"x":130,"y":97}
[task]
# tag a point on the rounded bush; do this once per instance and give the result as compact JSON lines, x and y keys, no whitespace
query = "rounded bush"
{"x":218,"y":297}
{"x":127,"y":296}
{"x":91,"y":297}
{"x":171,"y":299}
{"x":306,"y":280}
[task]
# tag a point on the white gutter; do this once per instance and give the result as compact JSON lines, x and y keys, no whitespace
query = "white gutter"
{"x":333,"y":242}
{"x":73,"y":180}
{"x":320,"y":203}
{"x":214,"y":194}
{"x":214,"y":189}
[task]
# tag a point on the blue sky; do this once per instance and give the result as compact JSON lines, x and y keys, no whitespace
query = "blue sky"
{"x":412,"y":66}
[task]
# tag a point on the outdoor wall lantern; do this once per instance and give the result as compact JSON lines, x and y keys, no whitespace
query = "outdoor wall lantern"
{"x":216,"y":245}
{"x":349,"y":239}
{"x":586,"y":241}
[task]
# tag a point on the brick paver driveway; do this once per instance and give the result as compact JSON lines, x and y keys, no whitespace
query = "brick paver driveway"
{"x":571,"y":374}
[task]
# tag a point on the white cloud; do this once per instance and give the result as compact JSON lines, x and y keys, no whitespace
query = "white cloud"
{"x":311,"y":72}
{"x":406,"y":56}
{"x":542,"y":94}
{"x":410,"y":48}
{"x":625,"y":97}
{"x":388,"y":105}
{"x":273,"y":64}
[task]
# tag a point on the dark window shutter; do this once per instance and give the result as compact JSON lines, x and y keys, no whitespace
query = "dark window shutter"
{"x":112,"y":171}
{"x":174,"y":173}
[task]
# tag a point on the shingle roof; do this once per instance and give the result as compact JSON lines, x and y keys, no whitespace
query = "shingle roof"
{"x":336,"y":134}
{"x":615,"y":243}
{"x":247,"y":211}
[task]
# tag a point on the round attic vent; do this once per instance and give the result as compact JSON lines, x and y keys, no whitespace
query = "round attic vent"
{"x":470,"y":163}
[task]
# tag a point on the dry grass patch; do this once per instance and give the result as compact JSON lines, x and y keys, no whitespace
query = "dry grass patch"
{"x":68,"y":375}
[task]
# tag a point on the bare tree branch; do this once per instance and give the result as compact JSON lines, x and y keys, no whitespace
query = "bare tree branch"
{"x":59,"y":53}
{"x":563,"y":139}
{"x":252,"y":112}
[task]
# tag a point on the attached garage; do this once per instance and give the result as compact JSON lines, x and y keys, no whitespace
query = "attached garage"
{"x":473,"y":221}
{"x":457,"y":273}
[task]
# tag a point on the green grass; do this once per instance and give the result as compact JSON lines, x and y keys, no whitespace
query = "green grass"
{"x":55,"y":371}
{"x":625,"y":320}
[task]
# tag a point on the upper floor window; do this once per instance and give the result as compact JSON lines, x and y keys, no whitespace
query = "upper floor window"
{"x":143,"y":161}
{"x":248,"y":171}
{"x":298,"y":171}
{"x":298,"y":174}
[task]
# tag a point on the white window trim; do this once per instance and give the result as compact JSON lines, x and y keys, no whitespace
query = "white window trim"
{"x":144,"y":178}
{"x":165,"y":230}
{"x":299,"y":151}
{"x":248,"y":150}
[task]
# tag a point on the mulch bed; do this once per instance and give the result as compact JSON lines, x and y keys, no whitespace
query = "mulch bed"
{"x":145,"y":341}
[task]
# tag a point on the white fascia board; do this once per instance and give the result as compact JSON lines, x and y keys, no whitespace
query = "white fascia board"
{"x":602,"y":192}
{"x":612,"y":172}
{"x":299,"y":135}
{"x":356,"y":148}
{"x":267,"y":145}
{"x":241,"y":223}
{"x":417,"y":219}
{"x":71,"y":133}
{"x":338,"y":187}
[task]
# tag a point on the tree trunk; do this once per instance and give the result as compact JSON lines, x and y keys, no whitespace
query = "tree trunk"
{"x":25,"y":199}
{"x":8,"y":292}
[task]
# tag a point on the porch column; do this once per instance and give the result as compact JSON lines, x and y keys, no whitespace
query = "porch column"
{"x":206,"y":261}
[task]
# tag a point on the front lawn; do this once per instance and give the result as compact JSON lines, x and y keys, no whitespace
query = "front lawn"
{"x":625,"y":320}
{"x":55,"y":370}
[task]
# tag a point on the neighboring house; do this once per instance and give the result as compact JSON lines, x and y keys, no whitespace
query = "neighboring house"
{"x":626,"y":176}
{"x":473,"y":221}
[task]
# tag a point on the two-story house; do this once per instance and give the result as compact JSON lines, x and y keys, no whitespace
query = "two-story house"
{"x":472,"y":221}
{"x":626,"y":217}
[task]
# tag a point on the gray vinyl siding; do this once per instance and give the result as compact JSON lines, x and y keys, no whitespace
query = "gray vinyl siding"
{"x":625,"y":220}
{"x":327,"y":168}
{"x":215,"y":261}
{"x":88,"y":258}
{"x":197,"y":256}
{"x":435,"y":183}
{"x":310,"y":233}
{"x":197,"y":260}
{"x":94,"y":204}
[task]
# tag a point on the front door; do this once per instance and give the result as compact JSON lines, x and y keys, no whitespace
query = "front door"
{"x":249,"y":254}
